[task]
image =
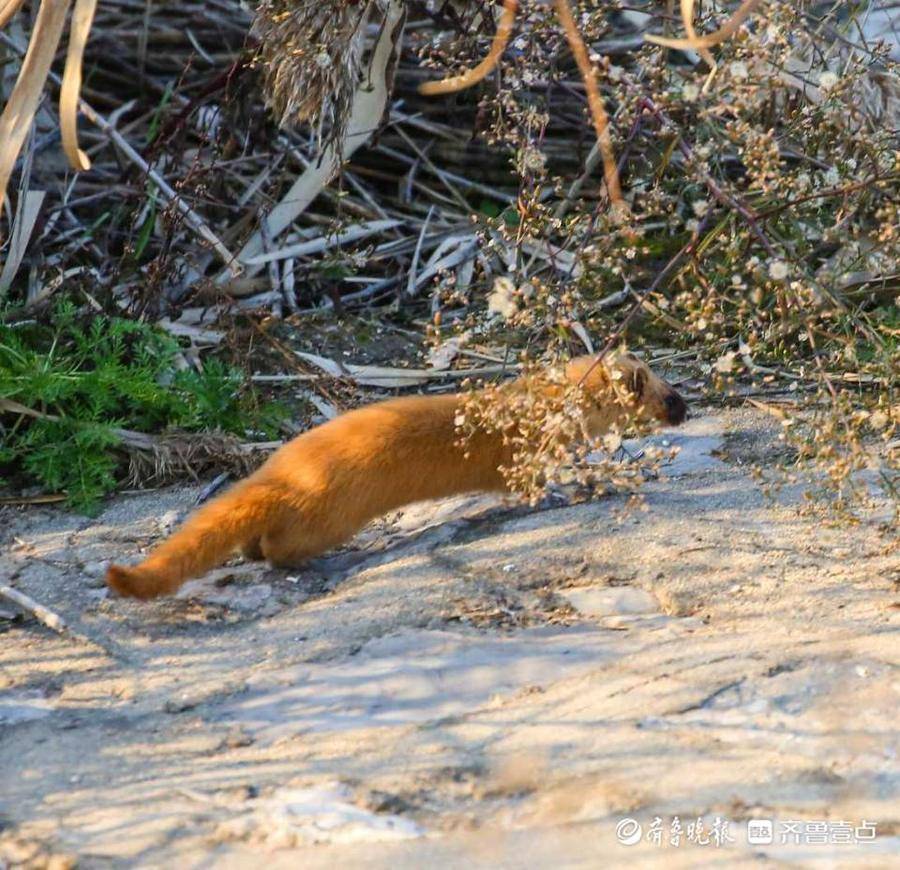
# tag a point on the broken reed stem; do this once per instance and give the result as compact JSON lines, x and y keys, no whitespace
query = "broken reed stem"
{"x":595,"y":103}
{"x":473,"y":76}
{"x":8,"y":8}
{"x":23,"y":102}
{"x":82,"y":19}
{"x":20,"y":110}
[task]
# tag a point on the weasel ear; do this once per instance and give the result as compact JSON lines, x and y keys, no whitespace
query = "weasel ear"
{"x":636,"y":382}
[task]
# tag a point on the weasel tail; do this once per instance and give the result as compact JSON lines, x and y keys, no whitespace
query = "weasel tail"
{"x":236,"y":519}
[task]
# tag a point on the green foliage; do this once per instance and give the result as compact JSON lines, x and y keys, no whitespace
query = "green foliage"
{"x":84,"y":380}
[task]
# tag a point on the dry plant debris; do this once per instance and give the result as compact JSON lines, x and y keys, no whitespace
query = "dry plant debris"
{"x":759,"y":258}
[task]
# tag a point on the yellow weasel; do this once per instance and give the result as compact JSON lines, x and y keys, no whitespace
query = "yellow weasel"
{"x":318,"y":490}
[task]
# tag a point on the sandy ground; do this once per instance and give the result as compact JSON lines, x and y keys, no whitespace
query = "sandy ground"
{"x":469,"y":684}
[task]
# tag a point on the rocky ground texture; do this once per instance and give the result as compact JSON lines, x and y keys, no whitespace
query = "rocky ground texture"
{"x":468,"y":684}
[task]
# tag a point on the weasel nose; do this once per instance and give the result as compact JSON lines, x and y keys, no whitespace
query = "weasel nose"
{"x":676,"y":408}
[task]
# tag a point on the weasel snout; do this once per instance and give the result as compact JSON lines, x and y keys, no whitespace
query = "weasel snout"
{"x":676,"y":409}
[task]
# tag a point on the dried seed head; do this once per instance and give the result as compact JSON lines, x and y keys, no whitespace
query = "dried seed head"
{"x":310,"y":52}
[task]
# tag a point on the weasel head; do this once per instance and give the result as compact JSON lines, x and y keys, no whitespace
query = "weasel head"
{"x":621,"y":386}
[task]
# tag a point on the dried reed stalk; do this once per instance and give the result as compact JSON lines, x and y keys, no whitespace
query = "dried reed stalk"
{"x":23,"y":102}
{"x":595,"y":103}
{"x":82,"y":18}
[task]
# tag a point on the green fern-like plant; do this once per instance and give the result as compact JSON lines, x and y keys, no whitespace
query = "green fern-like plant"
{"x":81,"y":381}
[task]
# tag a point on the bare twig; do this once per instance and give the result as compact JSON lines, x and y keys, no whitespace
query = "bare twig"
{"x":38,"y":611}
{"x":473,"y":76}
{"x":595,"y":103}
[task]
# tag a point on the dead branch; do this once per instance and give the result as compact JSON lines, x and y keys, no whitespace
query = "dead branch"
{"x":43,"y":614}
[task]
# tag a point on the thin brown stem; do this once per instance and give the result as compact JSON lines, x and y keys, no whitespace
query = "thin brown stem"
{"x":595,"y":103}
{"x":729,"y":28}
{"x":473,"y":76}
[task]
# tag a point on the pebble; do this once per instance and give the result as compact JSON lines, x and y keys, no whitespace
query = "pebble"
{"x":95,"y":574}
{"x":608,"y":601}
{"x":168,"y":521}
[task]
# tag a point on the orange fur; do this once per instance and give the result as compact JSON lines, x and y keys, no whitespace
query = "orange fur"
{"x":318,"y":490}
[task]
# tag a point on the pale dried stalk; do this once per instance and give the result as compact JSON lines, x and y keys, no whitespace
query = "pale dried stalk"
{"x":729,"y":28}
{"x":29,"y":605}
{"x":473,"y":76}
{"x":26,"y":95}
{"x":687,"y":16}
{"x":82,"y":19}
{"x":8,"y":8}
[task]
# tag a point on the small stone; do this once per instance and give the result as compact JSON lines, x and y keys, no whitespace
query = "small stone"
{"x":180,"y":705}
{"x":604,"y":601}
{"x":169,"y":520}
{"x":94,"y":574}
{"x":237,"y":738}
{"x":250,"y":598}
{"x":269,"y":608}
{"x":94,"y":569}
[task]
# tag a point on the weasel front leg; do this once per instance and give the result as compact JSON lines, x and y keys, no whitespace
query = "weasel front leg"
{"x":290,"y":545}
{"x":285,"y":551}
{"x":252,"y":550}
